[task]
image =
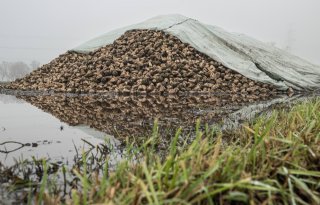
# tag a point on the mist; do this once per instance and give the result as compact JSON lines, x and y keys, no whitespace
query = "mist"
{"x":42,"y":29}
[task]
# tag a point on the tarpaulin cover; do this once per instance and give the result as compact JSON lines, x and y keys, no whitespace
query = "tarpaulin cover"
{"x":254,"y":59}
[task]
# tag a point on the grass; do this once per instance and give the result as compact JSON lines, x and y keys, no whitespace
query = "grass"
{"x":273,"y":160}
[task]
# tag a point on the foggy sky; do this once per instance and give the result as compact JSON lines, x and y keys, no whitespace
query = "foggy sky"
{"x":42,"y":29}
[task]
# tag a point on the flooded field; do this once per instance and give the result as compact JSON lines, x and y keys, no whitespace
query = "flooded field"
{"x":59,"y":127}
{"x":52,"y":126}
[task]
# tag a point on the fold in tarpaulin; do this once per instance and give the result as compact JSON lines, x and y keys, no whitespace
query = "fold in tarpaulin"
{"x":254,"y":59}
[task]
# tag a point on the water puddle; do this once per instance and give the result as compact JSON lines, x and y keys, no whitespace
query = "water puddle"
{"x":27,"y":131}
{"x":56,"y":126}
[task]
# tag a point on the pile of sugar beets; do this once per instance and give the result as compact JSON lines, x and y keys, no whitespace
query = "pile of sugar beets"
{"x":141,"y":62}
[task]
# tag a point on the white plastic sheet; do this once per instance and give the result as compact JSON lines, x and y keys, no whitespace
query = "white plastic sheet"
{"x":249,"y":57}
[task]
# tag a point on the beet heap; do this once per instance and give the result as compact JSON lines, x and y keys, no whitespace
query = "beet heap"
{"x":140,"y":61}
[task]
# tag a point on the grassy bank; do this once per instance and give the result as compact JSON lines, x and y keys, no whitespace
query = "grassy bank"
{"x":274,"y":160}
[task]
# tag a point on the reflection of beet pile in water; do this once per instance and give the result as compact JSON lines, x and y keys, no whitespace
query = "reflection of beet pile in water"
{"x":134,"y":115}
{"x":143,"y":61}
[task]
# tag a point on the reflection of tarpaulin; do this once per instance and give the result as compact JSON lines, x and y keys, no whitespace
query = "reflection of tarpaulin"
{"x":233,"y":120}
{"x":251,"y":58}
